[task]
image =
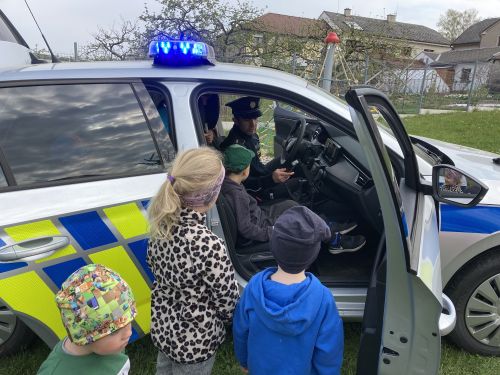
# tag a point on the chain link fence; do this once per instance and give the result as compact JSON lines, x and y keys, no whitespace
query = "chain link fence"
{"x":414,"y":86}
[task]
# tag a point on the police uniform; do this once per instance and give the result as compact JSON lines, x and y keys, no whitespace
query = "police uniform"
{"x":260,"y":177}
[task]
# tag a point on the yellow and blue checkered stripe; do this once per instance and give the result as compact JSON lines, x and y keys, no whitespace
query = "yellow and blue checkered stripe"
{"x":114,"y":236}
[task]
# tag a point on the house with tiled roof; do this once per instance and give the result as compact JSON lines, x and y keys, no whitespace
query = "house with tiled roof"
{"x":415,"y":38}
{"x":287,"y":42}
{"x":472,"y":59}
{"x":483,"y":34}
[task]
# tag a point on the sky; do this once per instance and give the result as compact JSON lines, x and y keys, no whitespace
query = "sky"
{"x":64,"y":22}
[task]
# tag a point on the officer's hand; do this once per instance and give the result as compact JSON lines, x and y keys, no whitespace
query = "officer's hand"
{"x":209,"y":136}
{"x":281,"y":175}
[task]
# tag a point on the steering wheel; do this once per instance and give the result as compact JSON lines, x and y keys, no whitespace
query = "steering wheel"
{"x":292,"y":142}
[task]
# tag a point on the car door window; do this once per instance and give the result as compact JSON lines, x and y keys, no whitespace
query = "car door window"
{"x":64,"y":132}
{"x":3,"y":180}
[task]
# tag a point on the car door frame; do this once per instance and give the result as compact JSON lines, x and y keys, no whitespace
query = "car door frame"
{"x":408,"y":332}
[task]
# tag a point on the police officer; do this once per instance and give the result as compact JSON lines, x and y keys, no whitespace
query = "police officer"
{"x":265,"y":180}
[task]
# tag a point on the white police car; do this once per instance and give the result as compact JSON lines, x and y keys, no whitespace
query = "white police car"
{"x":83,"y":147}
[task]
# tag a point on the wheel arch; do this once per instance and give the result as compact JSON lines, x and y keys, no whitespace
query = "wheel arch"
{"x":460,"y":263}
{"x":37,"y":327}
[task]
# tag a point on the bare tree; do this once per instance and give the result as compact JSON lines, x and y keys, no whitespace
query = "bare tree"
{"x":213,"y":21}
{"x":117,"y":43}
{"x":453,"y":22}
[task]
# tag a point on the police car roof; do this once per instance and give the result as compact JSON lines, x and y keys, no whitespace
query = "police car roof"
{"x":145,"y":69}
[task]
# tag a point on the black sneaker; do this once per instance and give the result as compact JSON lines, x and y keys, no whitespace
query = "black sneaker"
{"x":346,"y":244}
{"x":341,"y":227}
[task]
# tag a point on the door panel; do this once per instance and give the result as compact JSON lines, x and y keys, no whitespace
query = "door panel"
{"x":51,"y":194}
{"x":411,"y":310}
{"x":115,"y":236}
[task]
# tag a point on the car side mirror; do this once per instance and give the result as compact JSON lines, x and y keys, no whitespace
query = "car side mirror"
{"x":453,"y":186}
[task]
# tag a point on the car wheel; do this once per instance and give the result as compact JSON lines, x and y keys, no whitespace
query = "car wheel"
{"x":14,"y":334}
{"x":475,"y":291}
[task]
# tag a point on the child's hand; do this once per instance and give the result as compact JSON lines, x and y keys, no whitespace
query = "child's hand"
{"x":245,"y":370}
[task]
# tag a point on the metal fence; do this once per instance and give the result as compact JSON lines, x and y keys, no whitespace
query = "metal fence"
{"x":412,"y":85}
{"x":416,"y":87}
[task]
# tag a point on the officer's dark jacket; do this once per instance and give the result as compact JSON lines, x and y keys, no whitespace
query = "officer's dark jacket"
{"x":260,"y":177}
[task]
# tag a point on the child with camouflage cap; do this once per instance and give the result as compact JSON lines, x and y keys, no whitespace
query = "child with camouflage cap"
{"x":97,"y":309}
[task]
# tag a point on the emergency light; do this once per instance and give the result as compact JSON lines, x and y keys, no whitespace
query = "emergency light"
{"x":181,"y":52}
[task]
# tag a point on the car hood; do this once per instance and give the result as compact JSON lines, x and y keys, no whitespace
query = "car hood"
{"x":479,"y":164}
{"x":476,"y":162}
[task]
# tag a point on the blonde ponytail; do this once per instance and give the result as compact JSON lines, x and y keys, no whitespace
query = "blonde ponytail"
{"x":192,"y":171}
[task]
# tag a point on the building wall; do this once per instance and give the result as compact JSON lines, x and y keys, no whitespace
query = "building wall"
{"x":419,"y":47}
{"x":463,"y":80}
{"x":490,"y":38}
{"x":460,"y":47}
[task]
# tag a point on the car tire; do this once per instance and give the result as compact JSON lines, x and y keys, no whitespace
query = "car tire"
{"x":15,"y":334}
{"x":473,"y":291}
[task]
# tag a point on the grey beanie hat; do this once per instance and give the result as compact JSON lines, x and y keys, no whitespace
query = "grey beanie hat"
{"x":296,"y":238}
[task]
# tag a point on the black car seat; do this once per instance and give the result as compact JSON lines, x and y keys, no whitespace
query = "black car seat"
{"x":252,"y":256}
{"x":209,"y":107}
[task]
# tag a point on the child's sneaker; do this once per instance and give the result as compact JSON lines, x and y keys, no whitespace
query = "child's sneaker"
{"x":346,"y":244}
{"x":341,"y":227}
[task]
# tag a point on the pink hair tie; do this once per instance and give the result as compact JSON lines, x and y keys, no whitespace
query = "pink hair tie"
{"x":171,"y":178}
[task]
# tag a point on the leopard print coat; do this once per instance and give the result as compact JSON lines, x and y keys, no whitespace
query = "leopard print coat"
{"x":194,"y":292}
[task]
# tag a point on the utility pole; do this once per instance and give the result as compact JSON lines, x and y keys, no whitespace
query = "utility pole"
{"x":331,"y":40}
{"x":471,"y":88}
{"x":75,"y":48}
{"x":422,"y":90}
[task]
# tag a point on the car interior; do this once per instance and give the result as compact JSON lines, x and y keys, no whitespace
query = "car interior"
{"x":334,"y":181}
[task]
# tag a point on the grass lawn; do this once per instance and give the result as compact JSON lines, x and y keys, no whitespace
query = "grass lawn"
{"x":477,"y":129}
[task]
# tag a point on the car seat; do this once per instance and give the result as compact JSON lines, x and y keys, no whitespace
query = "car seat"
{"x":209,"y":108}
{"x":229,"y":226}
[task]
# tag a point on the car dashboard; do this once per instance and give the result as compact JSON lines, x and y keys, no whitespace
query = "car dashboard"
{"x":331,"y":163}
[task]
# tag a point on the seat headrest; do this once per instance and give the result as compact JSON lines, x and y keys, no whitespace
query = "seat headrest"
{"x":209,"y":106}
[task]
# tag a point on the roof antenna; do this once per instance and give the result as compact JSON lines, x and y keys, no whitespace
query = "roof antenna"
{"x":54,"y":58}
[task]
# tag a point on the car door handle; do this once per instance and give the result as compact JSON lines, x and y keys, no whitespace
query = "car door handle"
{"x":36,"y":248}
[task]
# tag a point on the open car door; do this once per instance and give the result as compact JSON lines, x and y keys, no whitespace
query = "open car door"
{"x":404,"y":302}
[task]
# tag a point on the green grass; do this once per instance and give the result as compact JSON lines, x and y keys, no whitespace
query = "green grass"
{"x":477,"y":129}
{"x":480,"y":129}
{"x":142,"y":355}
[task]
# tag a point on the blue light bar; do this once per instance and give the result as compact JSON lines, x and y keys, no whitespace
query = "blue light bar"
{"x":181,"y":52}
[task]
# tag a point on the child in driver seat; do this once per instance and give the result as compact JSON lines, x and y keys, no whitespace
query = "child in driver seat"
{"x":286,"y":321}
{"x":255,"y":222}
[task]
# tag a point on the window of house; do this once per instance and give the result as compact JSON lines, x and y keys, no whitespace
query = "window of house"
{"x":464,"y":77}
{"x":498,"y":41}
{"x":258,"y":39}
{"x":63,"y":132}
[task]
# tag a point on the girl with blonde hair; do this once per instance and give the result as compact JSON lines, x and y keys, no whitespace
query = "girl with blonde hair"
{"x":194,"y":292}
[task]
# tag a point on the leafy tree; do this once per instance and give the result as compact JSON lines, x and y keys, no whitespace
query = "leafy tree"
{"x":453,"y":22}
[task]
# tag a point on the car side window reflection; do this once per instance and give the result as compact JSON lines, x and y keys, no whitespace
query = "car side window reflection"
{"x":63,"y":132}
{"x":3,"y":180}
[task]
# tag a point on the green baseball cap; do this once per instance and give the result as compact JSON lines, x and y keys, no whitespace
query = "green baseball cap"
{"x":94,"y":302}
{"x":237,"y":158}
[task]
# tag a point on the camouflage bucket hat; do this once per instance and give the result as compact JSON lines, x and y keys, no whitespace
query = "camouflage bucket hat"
{"x":95,"y":302}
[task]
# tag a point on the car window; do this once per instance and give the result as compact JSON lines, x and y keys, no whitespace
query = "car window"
{"x":5,"y":32}
{"x":61,"y":132}
{"x":3,"y":180}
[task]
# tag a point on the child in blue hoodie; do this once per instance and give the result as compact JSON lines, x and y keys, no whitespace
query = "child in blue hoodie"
{"x":286,"y":321}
